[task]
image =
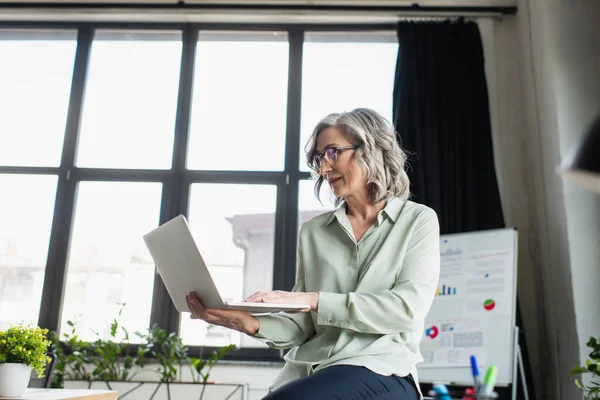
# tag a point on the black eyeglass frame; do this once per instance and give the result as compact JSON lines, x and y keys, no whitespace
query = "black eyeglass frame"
{"x":316,"y":165}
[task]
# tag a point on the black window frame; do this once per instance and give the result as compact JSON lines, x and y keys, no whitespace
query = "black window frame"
{"x":177,"y":180}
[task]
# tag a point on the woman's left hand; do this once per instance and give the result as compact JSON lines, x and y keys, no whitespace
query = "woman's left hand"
{"x":282,"y":297}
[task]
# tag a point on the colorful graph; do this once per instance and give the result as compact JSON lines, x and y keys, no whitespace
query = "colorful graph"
{"x":489,"y":304}
{"x":432,"y":332}
{"x":446,"y":291}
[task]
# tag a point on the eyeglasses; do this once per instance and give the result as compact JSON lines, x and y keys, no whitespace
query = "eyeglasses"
{"x":331,"y":154}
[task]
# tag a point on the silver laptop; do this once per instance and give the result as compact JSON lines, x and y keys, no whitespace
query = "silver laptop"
{"x":183,"y":270}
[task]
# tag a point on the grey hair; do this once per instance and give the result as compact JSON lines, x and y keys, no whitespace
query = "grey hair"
{"x":379,"y":154}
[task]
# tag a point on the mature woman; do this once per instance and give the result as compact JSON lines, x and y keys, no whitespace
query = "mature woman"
{"x":369,"y":271}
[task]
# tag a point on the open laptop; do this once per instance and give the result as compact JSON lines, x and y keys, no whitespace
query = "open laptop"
{"x":183,"y":270}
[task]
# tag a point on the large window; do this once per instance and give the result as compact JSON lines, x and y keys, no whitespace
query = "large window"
{"x":106,"y":132}
{"x":239,"y":102}
{"x":234,"y":227}
{"x":36,"y":68}
{"x":108,"y":263}
{"x":26,"y":207}
{"x":130,"y":100}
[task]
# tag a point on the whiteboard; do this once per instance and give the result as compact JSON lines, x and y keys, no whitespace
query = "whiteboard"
{"x":474,"y":309}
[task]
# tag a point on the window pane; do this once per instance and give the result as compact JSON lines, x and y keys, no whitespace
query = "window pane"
{"x":236,"y":240}
{"x":343,"y":71}
{"x":36,"y":69}
{"x":26,"y":215}
{"x":308,"y":204}
{"x":130,"y":100}
{"x":238,"y":117}
{"x":108,"y":261}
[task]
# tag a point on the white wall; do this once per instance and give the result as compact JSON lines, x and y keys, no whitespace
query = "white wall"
{"x":543,"y":70}
{"x":506,"y":83}
{"x":575,"y":33}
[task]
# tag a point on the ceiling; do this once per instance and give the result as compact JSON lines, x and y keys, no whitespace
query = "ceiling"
{"x":240,"y":11}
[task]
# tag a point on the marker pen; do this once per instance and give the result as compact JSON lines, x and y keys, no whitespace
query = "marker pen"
{"x":475,"y":373}
{"x":490,"y":380}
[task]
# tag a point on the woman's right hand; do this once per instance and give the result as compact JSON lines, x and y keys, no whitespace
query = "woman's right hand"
{"x":240,"y":321}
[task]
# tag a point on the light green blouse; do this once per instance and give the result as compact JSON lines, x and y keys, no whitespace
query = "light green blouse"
{"x":373,"y":294}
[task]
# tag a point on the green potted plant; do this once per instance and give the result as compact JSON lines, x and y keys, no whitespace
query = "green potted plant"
{"x":169,"y":351}
{"x":202,"y":366}
{"x":105,"y":361}
{"x":591,"y":389}
{"x":101,"y":360}
{"x":110,"y":359}
{"x":71,"y":365}
{"x":22,"y":348}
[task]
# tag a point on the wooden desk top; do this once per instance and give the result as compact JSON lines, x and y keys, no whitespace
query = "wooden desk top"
{"x":69,"y":394}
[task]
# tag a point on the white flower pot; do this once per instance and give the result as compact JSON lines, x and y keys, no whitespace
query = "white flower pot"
{"x":14,"y":379}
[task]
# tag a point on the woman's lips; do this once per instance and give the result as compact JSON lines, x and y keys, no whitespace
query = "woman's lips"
{"x":334,"y":181}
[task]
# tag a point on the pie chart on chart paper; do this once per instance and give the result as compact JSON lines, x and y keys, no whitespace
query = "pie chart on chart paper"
{"x":489,"y":304}
{"x":432,"y":332}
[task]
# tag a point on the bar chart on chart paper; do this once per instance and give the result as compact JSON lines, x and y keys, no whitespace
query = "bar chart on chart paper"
{"x":446,"y":290}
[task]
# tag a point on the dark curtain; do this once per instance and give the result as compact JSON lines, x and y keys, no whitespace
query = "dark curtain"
{"x":441,"y":114}
{"x":442,"y":117}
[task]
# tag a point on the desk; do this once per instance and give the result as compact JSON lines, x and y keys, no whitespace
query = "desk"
{"x":69,"y":394}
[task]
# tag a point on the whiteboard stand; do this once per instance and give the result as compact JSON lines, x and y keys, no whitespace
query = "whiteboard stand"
{"x":518,"y":364}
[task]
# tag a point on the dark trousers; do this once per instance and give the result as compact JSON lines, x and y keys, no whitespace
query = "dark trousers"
{"x":347,"y":382}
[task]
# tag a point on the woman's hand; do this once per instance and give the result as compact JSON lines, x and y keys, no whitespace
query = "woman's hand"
{"x":280,"y":296}
{"x":238,"y":320}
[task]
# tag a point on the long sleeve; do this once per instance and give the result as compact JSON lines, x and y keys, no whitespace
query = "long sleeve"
{"x":284,"y":330}
{"x":403,"y":307}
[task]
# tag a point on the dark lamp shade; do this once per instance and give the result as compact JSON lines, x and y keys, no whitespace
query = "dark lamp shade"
{"x":582,"y":164}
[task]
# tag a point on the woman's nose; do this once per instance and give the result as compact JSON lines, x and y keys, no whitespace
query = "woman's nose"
{"x":325,"y":166}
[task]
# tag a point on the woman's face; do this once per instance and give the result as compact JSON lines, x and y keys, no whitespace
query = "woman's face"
{"x":343,"y":174}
